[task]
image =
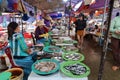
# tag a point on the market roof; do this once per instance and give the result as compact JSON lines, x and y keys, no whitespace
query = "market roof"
{"x":51,"y":5}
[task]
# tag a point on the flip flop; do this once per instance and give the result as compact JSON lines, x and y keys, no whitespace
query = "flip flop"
{"x":115,"y":68}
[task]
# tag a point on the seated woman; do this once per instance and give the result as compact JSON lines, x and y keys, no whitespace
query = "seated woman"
{"x":21,"y":53}
{"x":41,"y":32}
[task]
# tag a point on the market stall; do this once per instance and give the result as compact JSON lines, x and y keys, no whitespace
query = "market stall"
{"x":65,"y":57}
{"x":57,"y":57}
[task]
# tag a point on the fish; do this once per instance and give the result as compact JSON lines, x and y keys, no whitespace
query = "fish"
{"x":45,"y":66}
{"x":76,"y":69}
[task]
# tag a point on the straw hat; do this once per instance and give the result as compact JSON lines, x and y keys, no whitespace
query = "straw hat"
{"x":40,"y":23}
{"x":48,"y":17}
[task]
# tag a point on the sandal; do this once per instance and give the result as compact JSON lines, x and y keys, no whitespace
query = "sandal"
{"x":114,"y":68}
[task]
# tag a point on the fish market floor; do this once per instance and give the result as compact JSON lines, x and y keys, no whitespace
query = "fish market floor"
{"x":92,"y":54}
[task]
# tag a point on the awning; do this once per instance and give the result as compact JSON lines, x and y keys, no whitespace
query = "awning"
{"x":98,"y":4}
{"x":56,"y":15}
{"x":83,"y":7}
{"x":87,"y":2}
{"x":21,"y":6}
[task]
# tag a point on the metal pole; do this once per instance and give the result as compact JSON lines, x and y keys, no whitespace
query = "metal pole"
{"x":104,"y":52}
{"x":69,"y":19}
{"x":104,"y":16}
{"x":21,"y":23}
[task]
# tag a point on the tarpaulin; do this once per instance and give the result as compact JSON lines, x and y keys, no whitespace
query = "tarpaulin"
{"x":5,"y":17}
{"x":99,"y":4}
{"x":29,"y":7}
{"x":83,"y":7}
{"x":10,"y":4}
{"x":87,"y":2}
{"x":21,"y":6}
{"x":56,"y":15}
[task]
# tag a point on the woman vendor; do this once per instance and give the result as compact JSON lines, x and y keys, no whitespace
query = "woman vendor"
{"x":47,"y":20}
{"x":21,"y":53}
{"x":41,"y":32}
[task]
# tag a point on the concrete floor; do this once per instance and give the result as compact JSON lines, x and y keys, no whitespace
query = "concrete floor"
{"x":92,"y":54}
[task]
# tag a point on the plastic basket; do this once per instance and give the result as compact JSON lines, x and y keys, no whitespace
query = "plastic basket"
{"x":68,"y":73}
{"x":47,"y":49}
{"x":5,"y":75}
{"x":81,"y":59}
{"x":46,"y":73}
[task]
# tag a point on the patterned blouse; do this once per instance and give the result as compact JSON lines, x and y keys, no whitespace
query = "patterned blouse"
{"x":18,"y":45}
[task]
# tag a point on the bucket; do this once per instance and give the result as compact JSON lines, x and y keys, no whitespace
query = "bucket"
{"x":46,"y":43}
{"x":17,"y":73}
{"x":5,"y":76}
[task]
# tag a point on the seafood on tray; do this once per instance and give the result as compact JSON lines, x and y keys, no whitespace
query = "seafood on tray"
{"x":68,"y":41}
{"x":57,"y":56}
{"x":76,"y":69}
{"x":60,"y":41}
{"x":53,"y":49}
{"x":73,"y":56}
{"x":45,"y":66}
{"x":70,"y":48}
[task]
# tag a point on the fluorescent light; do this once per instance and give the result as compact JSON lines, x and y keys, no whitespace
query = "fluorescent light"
{"x":58,"y":12}
{"x":65,"y":0}
{"x":4,"y":13}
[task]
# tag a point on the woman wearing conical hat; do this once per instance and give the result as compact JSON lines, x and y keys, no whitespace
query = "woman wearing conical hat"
{"x":41,"y":32}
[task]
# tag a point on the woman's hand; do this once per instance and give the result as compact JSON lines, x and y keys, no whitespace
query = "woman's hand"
{"x":29,"y":51}
{"x":46,"y":35}
{"x":42,"y":35}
